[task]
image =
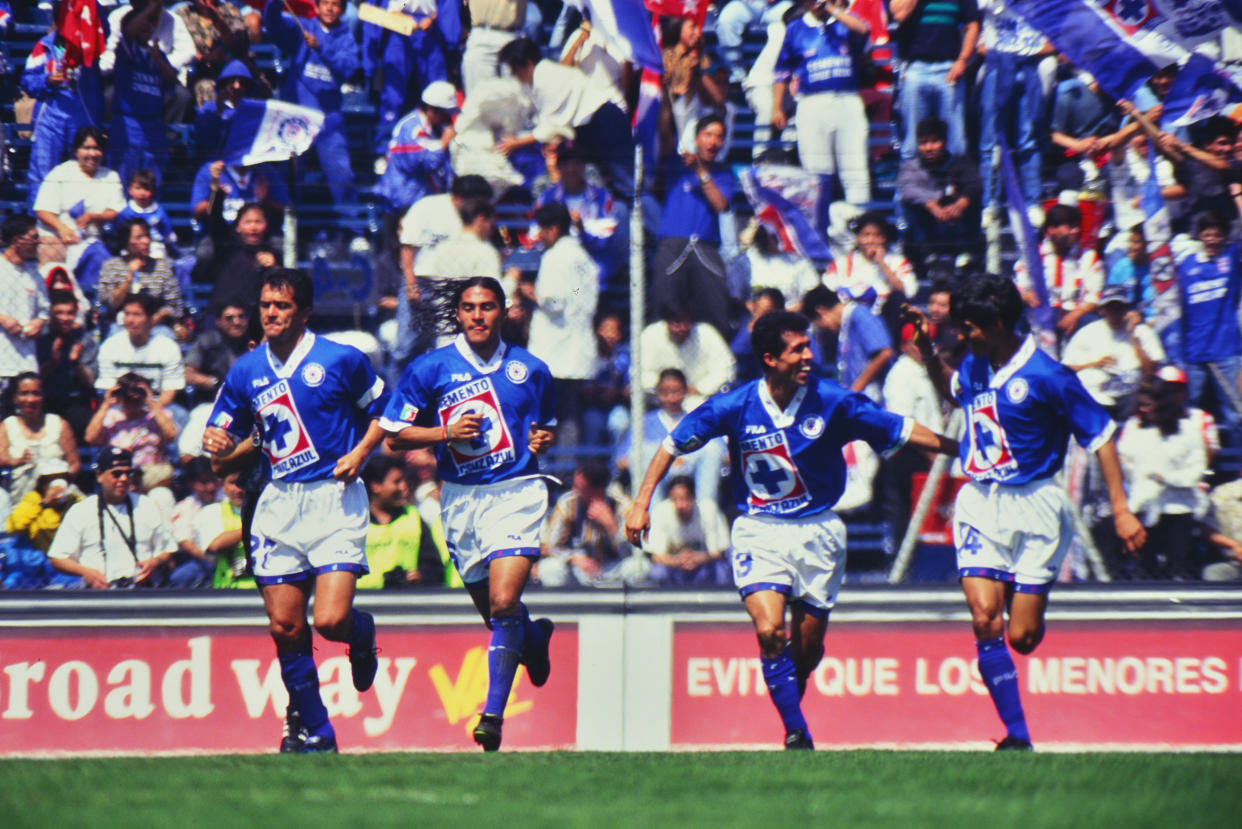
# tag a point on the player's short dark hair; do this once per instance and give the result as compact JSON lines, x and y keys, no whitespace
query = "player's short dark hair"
{"x":772,"y":295}
{"x":707,"y":120}
{"x":126,"y":226}
{"x":554,"y":214}
{"x":15,"y":227}
{"x":984,"y":299}
{"x":1060,"y":215}
{"x":821,"y":296}
{"x":472,"y":187}
{"x":681,"y":480}
{"x":673,"y":374}
{"x":487,"y":283}
{"x":931,"y":127}
{"x":148,"y":303}
{"x":596,"y":473}
{"x":472,"y":209}
{"x":144,"y":178}
{"x":379,"y":467}
{"x":768,"y":335}
{"x":1209,"y":219}
{"x":83,"y":133}
{"x":519,"y":52}
{"x":298,"y":281}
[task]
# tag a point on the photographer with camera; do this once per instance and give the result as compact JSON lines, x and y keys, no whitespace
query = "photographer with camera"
{"x":116,"y":538}
{"x":132,"y":418}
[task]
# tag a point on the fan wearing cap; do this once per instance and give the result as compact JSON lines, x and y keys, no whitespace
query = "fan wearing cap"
{"x":1112,"y":354}
{"x":115,"y":538}
{"x":417,"y":159}
{"x":322,"y":56}
{"x":40,"y":512}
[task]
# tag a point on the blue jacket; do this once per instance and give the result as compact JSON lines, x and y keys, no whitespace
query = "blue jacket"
{"x":84,"y":89}
{"x":315,"y":76}
{"x":417,"y":163}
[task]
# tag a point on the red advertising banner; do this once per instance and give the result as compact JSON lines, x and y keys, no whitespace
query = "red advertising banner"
{"x":219,"y":689}
{"x":1114,"y":683}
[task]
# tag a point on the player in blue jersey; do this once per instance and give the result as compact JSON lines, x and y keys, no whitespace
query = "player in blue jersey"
{"x":1012,"y":524}
{"x":488,"y":409}
{"x":317,"y":405}
{"x":786,"y":432}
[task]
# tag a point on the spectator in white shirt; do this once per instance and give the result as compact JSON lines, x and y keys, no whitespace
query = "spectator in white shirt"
{"x":564,"y":295}
{"x":570,"y":106}
{"x":1073,"y":274}
{"x":154,"y":357}
{"x":1114,"y":353}
{"x":600,"y":60}
{"x":76,"y":199}
{"x":695,"y":348}
{"x":23,"y":301}
{"x":689,"y":539}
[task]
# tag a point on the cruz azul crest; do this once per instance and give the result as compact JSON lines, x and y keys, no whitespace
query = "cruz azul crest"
{"x":990,"y":455}
{"x":494,"y":445}
{"x":771,"y":475}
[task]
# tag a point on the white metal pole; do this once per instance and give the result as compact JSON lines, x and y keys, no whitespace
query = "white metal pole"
{"x":638,"y":302}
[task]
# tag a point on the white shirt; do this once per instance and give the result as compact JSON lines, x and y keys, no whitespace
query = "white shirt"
{"x":170,"y":33}
{"x":909,"y":391}
{"x":1162,"y":473}
{"x":185,"y":515}
{"x":78,"y":537}
{"x":564,"y":98}
{"x":762,"y":74}
{"x":1075,"y":279}
{"x":1098,"y":339}
{"x":159,"y":361}
{"x":856,"y":275}
{"x":494,"y":108}
{"x":706,"y":531}
{"x":561,"y":333}
{"x":788,"y":273}
{"x":429,"y":222}
{"x":704,"y":357}
{"x":461,"y":257}
{"x":1127,"y":175}
{"x":67,"y":190}
{"x":602,"y":62}
{"x":24,"y":298}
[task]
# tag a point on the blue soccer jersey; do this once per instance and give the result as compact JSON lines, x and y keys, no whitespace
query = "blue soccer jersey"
{"x":789,"y":462}
{"x":1020,"y":418}
{"x":512,"y":391}
{"x":312,"y":410}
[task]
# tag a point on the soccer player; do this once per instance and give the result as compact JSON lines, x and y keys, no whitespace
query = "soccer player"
{"x":317,"y":404}
{"x":1012,"y":523}
{"x":488,"y":409}
{"x":786,"y":431}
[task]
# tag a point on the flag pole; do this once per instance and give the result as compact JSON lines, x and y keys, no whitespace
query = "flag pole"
{"x":638,"y":301}
{"x":294,"y":15}
{"x":290,"y":226}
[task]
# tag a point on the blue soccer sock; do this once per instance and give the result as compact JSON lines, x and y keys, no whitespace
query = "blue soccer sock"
{"x":531,"y":632}
{"x":999,"y":674}
{"x":781,"y":675}
{"x":503,"y":656}
{"x":297,"y":669}
{"x":361,"y":629}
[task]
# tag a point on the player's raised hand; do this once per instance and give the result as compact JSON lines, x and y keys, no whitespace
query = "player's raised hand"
{"x":1130,"y":530}
{"x":216,"y":441}
{"x":637,"y":524}
{"x":540,"y":439}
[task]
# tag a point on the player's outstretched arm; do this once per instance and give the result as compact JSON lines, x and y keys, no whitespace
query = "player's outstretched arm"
{"x":923,"y":438}
{"x":1129,"y":528}
{"x":638,"y":521}
{"x":348,"y":466}
{"x":937,"y":370}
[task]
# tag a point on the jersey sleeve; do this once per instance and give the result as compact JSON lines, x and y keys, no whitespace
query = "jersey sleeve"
{"x":859,"y":418}
{"x":788,"y":59}
{"x":545,"y":396}
{"x":367,"y":390}
{"x":409,"y":398}
{"x":1089,"y":422}
{"x":231,"y":411}
{"x":697,"y":428}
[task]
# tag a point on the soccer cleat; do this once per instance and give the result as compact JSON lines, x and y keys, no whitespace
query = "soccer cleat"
{"x":1012,"y":743}
{"x":539,"y":666}
{"x":362,"y":661}
{"x":319,"y":744}
{"x":487,"y":732}
{"x":798,"y":740}
{"x":292,"y":734}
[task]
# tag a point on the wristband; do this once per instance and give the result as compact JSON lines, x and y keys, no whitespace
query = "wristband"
{"x":704,"y":178}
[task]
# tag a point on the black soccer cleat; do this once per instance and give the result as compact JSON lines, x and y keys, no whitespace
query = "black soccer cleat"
{"x":539,"y":666}
{"x":362,"y":660}
{"x":798,"y":740}
{"x":292,"y":734}
{"x":487,"y":732}
{"x":1012,"y":743}
{"x":319,"y":744}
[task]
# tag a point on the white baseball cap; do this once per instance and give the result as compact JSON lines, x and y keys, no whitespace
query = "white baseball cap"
{"x":441,"y":95}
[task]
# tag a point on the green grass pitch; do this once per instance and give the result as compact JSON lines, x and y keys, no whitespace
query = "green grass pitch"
{"x":761,"y":789}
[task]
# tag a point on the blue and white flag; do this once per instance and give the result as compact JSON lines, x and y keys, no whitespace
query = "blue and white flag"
{"x":270,"y":131}
{"x":1200,"y":90}
{"x":1027,"y":240}
{"x":789,"y":200}
{"x":627,"y":25}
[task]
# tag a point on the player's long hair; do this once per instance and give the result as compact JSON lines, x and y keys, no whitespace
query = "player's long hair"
{"x":438,"y":310}
{"x":984,"y":299}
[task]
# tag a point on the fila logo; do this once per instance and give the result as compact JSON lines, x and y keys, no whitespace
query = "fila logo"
{"x":259,"y":382}
{"x":755,"y":429}
{"x":458,"y":377}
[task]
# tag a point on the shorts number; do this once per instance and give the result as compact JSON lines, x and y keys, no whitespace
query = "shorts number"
{"x":971,"y":544}
{"x":264,"y":548}
{"x":741,"y":564}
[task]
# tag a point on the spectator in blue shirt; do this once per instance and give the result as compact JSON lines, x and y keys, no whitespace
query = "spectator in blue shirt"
{"x":688,"y":271}
{"x":864,"y":348}
{"x":141,"y":76}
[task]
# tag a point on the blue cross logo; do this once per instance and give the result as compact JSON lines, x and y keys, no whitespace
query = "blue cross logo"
{"x":277,"y":430}
{"x":482,"y":441}
{"x":768,"y":476}
{"x":984,"y":439}
{"x":971,"y":544}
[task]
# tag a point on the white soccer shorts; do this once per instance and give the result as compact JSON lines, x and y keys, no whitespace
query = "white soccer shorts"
{"x":803,"y":558}
{"x":487,"y":521}
{"x":304,"y":529}
{"x":1017,"y":534}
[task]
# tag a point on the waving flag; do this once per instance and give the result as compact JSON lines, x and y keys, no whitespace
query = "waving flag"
{"x":1200,"y":90}
{"x":270,"y":131}
{"x":1027,"y":240}
{"x":297,"y":8}
{"x":81,"y":30}
{"x":625,"y":24}
{"x":692,"y":9}
{"x":789,"y":200}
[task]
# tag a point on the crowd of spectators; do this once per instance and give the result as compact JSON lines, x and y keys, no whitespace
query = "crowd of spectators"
{"x":118,"y":324}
